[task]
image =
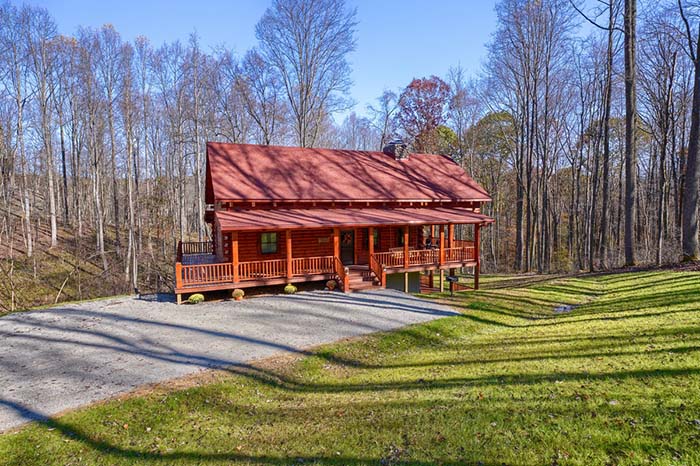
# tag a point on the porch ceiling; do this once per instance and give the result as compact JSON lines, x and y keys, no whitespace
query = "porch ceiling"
{"x":282,"y":219}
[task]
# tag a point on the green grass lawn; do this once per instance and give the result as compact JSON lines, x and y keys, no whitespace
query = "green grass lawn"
{"x":615,"y":381}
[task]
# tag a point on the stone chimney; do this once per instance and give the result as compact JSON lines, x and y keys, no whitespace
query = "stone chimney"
{"x":397,"y":149}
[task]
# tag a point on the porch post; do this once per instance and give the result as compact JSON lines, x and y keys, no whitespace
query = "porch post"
{"x":370,"y":232}
{"x":178,"y":280}
{"x":451,"y":244}
{"x":234,"y":255}
{"x":442,"y":244}
{"x":336,"y":242}
{"x":288,"y":245}
{"x":477,"y":254}
{"x":405,"y":247}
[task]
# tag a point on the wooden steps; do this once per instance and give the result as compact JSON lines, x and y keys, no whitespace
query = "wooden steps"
{"x":360,"y":278}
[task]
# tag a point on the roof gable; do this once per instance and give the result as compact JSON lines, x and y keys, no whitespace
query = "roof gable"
{"x":275,"y":173}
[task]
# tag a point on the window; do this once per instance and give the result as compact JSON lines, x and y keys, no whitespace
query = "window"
{"x":399,"y":232}
{"x":268,"y":243}
{"x":376,"y":238}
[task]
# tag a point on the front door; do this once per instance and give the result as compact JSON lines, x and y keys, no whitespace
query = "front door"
{"x":347,"y":247}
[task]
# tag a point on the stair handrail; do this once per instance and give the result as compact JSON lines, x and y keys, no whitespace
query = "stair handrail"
{"x":377,"y":269}
{"x":342,"y":272}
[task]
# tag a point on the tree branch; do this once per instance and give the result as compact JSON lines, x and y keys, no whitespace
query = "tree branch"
{"x":688,"y":32}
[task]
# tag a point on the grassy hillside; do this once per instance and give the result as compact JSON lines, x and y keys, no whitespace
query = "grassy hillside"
{"x":613,"y":380}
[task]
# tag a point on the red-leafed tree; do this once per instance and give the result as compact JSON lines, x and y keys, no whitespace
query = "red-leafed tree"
{"x":422,"y":109}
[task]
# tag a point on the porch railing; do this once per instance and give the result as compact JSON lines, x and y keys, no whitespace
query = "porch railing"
{"x":194,"y":248}
{"x":255,"y":270}
{"x":390,"y":259}
{"x":223,"y":272}
{"x":313,"y":265}
{"x":205,"y":274}
{"x":423,"y":257}
{"x":197,"y":247}
{"x":464,"y":254}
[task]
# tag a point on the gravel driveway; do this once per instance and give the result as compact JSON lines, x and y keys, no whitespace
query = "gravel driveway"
{"x":68,"y":356}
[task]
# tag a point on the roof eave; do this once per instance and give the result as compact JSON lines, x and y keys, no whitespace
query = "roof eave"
{"x":485,"y":199}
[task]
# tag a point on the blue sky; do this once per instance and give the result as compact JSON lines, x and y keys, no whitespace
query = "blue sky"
{"x":397,"y":40}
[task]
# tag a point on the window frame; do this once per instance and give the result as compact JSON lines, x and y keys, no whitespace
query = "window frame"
{"x":268,"y":243}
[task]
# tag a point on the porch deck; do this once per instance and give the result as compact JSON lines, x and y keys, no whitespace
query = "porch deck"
{"x":198,"y":269}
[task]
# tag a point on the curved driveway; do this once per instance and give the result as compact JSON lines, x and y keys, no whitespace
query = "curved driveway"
{"x":68,"y":356}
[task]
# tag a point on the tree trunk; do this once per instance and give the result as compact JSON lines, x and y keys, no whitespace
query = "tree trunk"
{"x":689,"y":231}
{"x":630,"y":131}
{"x":606,"y":138}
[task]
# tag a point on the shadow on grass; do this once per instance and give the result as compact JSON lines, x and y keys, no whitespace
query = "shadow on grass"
{"x":106,"y":448}
{"x":122,"y":452}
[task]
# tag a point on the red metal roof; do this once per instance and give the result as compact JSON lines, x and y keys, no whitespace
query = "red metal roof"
{"x":260,"y":173}
{"x":325,"y":218}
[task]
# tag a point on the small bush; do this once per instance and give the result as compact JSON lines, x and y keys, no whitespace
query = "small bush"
{"x":331,"y":284}
{"x":196,"y":298}
{"x":290,"y":289}
{"x":237,"y":293}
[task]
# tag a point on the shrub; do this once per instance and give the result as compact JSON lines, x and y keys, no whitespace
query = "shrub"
{"x":195,"y":298}
{"x":238,"y":293}
{"x":331,"y":284}
{"x":290,"y":289}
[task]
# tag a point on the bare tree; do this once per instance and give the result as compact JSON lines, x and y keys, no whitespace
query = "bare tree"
{"x":383,"y":116}
{"x":195,"y":72}
{"x":357,"y":133}
{"x":93,"y":105}
{"x":109,"y":73}
{"x":259,"y":87}
{"x":40,"y":32}
{"x":14,"y":60}
{"x":307,"y":42}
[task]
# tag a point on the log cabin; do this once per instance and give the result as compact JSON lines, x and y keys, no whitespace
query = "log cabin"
{"x":366,"y":219}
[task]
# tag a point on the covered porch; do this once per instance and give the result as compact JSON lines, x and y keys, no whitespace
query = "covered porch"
{"x":279,"y":247}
